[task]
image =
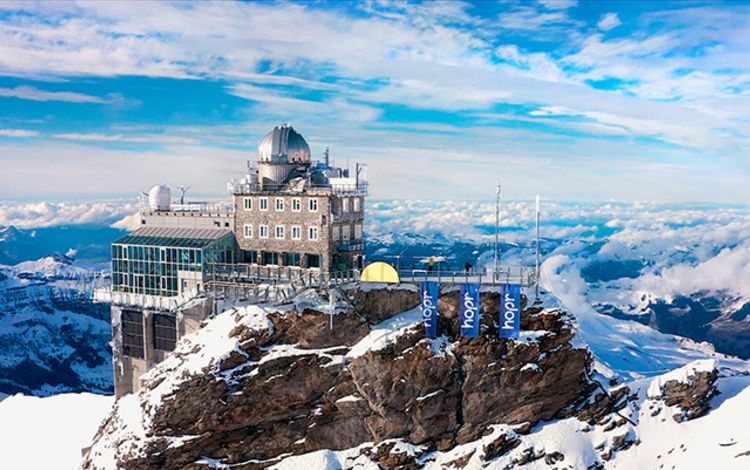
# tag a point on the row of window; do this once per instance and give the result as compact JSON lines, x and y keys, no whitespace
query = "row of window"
{"x":355,"y":204}
{"x":344,"y":232}
{"x":266,"y":258}
{"x":312,"y":204}
{"x":164,"y":333}
{"x":280,"y":232}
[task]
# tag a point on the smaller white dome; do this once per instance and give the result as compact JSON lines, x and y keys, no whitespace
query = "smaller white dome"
{"x":160,"y":198}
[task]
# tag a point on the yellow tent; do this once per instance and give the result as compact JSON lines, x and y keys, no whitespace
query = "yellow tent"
{"x":379,"y":272}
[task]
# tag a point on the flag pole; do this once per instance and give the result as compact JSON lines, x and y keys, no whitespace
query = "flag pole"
{"x":495,"y":274}
{"x":536,"y":266}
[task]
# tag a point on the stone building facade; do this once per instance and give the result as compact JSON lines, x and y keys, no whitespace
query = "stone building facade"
{"x":316,"y":229}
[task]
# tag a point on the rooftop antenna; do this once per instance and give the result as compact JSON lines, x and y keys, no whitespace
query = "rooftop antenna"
{"x":497,"y":230}
{"x":183,"y":190}
{"x":326,"y":155}
{"x":536,"y":266}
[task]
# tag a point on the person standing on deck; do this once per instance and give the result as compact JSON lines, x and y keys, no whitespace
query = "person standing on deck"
{"x":430,"y":263}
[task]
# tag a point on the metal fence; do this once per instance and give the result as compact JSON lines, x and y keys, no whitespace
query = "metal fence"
{"x":242,"y":273}
{"x":523,"y":275}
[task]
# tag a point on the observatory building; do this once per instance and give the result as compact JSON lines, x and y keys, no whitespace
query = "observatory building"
{"x":292,"y":212}
{"x":289,"y":218}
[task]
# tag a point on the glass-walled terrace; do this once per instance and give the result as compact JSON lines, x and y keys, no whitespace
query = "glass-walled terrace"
{"x":157,"y":270}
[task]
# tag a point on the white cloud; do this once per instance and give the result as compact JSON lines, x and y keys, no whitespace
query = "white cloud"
{"x":47,"y":214}
{"x":18,"y":133}
{"x":35,"y":94}
{"x":558,"y":4}
{"x":608,"y":22}
{"x":435,"y":56}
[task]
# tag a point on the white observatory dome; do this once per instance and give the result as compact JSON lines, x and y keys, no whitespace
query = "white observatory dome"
{"x":283,"y":145}
{"x":160,"y":198}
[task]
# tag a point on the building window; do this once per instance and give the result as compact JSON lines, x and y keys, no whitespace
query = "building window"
{"x":296,"y":232}
{"x":313,"y":261}
{"x":291,"y":259}
{"x":248,"y":231}
{"x":345,"y":204}
{"x":132,"y":333}
{"x":358,"y":231}
{"x":263,"y":231}
{"x":279,"y":204}
{"x":312,"y":233}
{"x":248,"y":203}
{"x":263,"y":203}
{"x":280,"y":232}
{"x":346,"y":233}
{"x":270,"y":258}
{"x":313,"y":204}
{"x":336,"y":232}
{"x":165,"y":332}
{"x":356,"y":204}
{"x":296,"y":204}
{"x":250,"y":256}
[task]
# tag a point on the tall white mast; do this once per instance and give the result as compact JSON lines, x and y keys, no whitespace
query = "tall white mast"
{"x":536,"y":265}
{"x":497,"y":232}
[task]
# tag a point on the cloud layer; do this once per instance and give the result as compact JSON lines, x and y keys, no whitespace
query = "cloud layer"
{"x":640,"y":102}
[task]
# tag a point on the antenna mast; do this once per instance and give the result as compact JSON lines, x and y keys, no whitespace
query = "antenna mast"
{"x":183,"y":190}
{"x":536,"y":266}
{"x":497,"y":231}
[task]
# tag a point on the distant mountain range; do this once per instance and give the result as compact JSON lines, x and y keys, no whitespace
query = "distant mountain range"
{"x":53,"y":338}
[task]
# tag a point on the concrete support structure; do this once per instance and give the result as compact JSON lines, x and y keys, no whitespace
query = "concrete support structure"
{"x":129,"y":361}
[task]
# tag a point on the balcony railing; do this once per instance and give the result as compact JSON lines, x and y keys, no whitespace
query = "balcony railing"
{"x":360,"y":189}
{"x":358,"y":245}
{"x":155,"y":302}
{"x":212,"y":207}
{"x":506,"y":274}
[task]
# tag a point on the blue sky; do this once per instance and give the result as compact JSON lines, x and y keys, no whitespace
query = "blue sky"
{"x":574,"y":100}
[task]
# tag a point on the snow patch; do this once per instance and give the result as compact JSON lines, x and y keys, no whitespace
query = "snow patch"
{"x":386,"y":332}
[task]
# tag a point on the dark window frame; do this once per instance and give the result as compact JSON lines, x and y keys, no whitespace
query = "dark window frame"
{"x":165,"y":331}
{"x":131,"y":323}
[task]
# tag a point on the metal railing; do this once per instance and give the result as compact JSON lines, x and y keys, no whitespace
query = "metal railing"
{"x":156,"y":302}
{"x":244,"y":273}
{"x":339,"y":189}
{"x":212,"y":207}
{"x":523,"y":275}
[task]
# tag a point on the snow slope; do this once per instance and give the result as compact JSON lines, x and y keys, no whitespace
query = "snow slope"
{"x":622,"y":347}
{"x":49,"y":433}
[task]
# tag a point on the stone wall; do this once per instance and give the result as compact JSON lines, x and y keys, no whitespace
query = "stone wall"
{"x":327,"y":217}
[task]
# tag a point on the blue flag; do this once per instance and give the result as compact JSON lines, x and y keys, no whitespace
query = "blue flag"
{"x":510,"y":311}
{"x":469,"y":310}
{"x":429,"y":292}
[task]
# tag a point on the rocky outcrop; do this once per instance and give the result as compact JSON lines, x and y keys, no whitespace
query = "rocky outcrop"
{"x":692,"y":397}
{"x":689,"y":389}
{"x":297,"y":387}
{"x":378,"y":304}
